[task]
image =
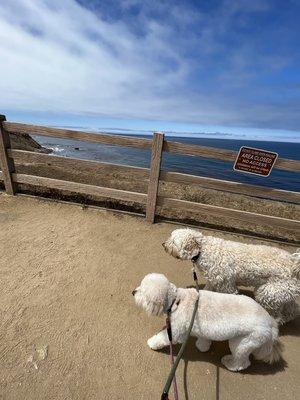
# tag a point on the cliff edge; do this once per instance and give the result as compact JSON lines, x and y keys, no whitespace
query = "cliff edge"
{"x":23,"y":141}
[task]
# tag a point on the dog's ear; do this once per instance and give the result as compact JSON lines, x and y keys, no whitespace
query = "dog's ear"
{"x":192,"y":244}
{"x":163,"y":299}
{"x":191,"y":247}
{"x":155,"y":306}
{"x":156,"y":300}
{"x":198,"y":237}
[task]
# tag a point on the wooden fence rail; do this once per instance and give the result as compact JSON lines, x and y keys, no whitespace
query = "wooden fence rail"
{"x":82,"y":188}
{"x":23,"y":156}
{"x":153,"y":176}
{"x":222,"y":154}
{"x":140,"y":143}
{"x":113,"y":140}
{"x":232,"y":187}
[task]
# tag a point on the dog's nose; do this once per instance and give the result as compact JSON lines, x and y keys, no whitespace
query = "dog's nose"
{"x":133,"y":292}
{"x":163,"y":244}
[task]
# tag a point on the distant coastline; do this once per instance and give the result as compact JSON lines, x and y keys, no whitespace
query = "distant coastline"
{"x":292,"y":138}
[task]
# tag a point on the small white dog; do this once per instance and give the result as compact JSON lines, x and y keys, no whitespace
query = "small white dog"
{"x":274,"y":273}
{"x":239,"y":319}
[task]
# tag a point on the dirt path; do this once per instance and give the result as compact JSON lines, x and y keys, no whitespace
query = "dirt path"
{"x":70,"y":329}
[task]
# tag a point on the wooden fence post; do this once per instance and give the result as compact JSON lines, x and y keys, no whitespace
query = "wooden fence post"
{"x":156,"y":155}
{"x":6,"y":163}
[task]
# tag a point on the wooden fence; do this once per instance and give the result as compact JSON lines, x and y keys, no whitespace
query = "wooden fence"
{"x":154,"y":174}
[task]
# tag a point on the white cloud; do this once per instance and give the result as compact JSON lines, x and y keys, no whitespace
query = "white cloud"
{"x":64,"y":58}
{"x":61,"y":57}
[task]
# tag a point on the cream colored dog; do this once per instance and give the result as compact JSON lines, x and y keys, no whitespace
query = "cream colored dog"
{"x":239,"y":319}
{"x":274,"y":273}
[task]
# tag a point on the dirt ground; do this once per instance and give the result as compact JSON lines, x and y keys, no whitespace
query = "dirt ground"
{"x":69,"y":326}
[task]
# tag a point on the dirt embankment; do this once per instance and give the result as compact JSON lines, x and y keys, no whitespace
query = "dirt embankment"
{"x":23,"y":141}
{"x":101,"y":176}
{"x":104,"y":176}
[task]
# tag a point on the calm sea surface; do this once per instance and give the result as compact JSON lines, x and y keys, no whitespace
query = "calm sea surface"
{"x":186,"y":164}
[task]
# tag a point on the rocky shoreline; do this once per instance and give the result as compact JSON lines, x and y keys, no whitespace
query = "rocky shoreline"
{"x":23,"y":141}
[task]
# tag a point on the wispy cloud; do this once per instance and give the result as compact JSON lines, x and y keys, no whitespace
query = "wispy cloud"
{"x":144,"y":59}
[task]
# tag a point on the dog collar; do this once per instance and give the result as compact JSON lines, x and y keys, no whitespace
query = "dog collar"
{"x":175,"y":301}
{"x":171,"y":305}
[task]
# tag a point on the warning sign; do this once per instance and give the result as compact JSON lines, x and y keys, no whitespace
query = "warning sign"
{"x":255,"y":161}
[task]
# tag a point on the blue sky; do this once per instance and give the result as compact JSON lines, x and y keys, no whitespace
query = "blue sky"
{"x":228,"y":66}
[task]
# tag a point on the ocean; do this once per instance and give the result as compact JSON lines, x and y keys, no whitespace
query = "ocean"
{"x":186,"y":164}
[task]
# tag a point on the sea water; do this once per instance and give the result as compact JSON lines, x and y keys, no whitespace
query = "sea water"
{"x":279,"y":179}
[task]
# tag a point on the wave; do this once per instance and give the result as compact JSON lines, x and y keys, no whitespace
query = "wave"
{"x":55,"y":149}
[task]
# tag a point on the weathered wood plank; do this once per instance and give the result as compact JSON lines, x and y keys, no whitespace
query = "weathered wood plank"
{"x":80,"y":188}
{"x":232,"y":187}
{"x":221,"y":154}
{"x":112,"y":140}
{"x":22,"y":156}
{"x":97,"y":167}
{"x":246,"y":216}
{"x":199,"y":151}
{"x":6,"y":162}
{"x":287,"y":164}
{"x":157,"y":146}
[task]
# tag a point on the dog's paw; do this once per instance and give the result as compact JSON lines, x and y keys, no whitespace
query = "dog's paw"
{"x":203,"y":345}
{"x":234,"y":365}
{"x":152,"y":343}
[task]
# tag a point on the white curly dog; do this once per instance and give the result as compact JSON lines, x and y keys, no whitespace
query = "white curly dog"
{"x":239,"y":319}
{"x":274,"y":273}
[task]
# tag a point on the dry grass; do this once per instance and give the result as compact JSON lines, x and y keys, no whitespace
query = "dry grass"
{"x":173,"y":190}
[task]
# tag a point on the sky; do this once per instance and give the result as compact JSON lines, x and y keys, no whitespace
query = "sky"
{"x":223,"y":67}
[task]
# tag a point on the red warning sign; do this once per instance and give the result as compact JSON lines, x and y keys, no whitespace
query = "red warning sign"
{"x":255,"y":161}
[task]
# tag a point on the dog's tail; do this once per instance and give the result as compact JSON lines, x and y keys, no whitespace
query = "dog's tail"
{"x":296,"y":264}
{"x":271,"y":351}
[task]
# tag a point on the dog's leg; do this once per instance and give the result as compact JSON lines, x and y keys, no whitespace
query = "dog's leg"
{"x":159,"y":341}
{"x":241,"y":348}
{"x":289,"y":311}
{"x":203,"y":344}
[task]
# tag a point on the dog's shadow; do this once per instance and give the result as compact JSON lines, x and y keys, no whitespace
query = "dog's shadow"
{"x":291,"y":328}
{"x":217,"y":351}
{"x":213,"y":356}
